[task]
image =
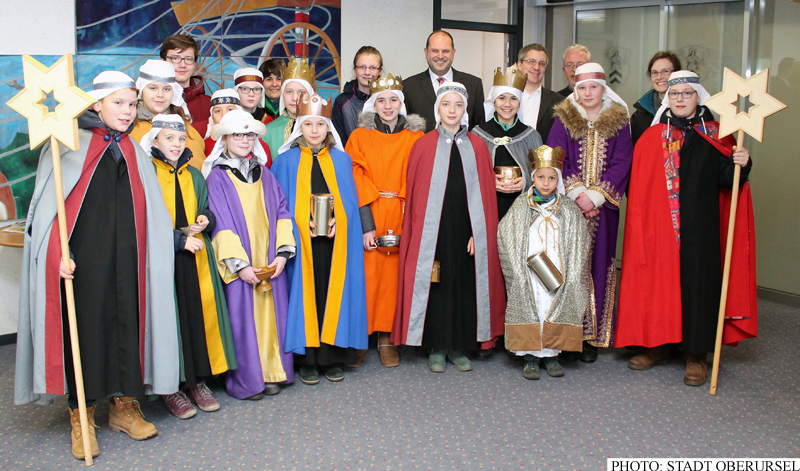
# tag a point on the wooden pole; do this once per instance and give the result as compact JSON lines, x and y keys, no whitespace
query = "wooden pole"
{"x":726,"y":273}
{"x":73,"y":325}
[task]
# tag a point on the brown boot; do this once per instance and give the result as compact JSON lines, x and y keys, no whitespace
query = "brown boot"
{"x":126,"y":416}
{"x":77,"y":436}
{"x":649,"y":358}
{"x":387,"y":350}
{"x":696,"y":370}
{"x":359,"y":358}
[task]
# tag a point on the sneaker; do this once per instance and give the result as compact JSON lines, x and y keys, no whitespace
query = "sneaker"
{"x":309,"y":374}
{"x":180,"y":405}
{"x":201,"y":395}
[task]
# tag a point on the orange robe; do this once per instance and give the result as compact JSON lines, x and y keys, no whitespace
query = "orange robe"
{"x":379,"y":167}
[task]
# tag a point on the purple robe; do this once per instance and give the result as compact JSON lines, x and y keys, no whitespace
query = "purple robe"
{"x":248,"y":379}
{"x":599,"y":159}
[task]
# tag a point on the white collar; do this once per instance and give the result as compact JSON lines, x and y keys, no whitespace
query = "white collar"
{"x":448,"y":77}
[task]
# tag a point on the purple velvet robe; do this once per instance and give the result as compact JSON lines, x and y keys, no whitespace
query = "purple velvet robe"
{"x":600,"y":159}
{"x":223,"y":200}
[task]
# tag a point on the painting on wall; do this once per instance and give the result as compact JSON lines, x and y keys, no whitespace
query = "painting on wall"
{"x":123,"y":34}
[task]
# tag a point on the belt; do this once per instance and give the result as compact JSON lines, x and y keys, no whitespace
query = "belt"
{"x":389,"y":194}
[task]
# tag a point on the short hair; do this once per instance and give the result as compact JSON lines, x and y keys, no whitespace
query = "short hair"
{"x":577,"y":47}
{"x":368,"y":50}
{"x":271,"y":67}
{"x":531,"y":47}
{"x":181,"y":42}
{"x":428,"y":41}
{"x":669,"y":55}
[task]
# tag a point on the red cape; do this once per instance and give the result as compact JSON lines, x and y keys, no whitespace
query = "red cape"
{"x":415,"y":194}
{"x":649,"y":312}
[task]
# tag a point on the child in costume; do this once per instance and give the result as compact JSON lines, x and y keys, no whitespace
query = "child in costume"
{"x":159,"y":93}
{"x":327,"y":301}
{"x":450,"y":221}
{"x":253,"y":233}
{"x":542,"y":321}
{"x":380,"y":148}
{"x":298,"y":79}
{"x":222,"y":101}
{"x":205,"y":331}
{"x":507,"y":137}
{"x":120,"y":239}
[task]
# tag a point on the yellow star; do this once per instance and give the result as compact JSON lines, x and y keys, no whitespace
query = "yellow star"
{"x":60,"y":81}
{"x":762,"y":104}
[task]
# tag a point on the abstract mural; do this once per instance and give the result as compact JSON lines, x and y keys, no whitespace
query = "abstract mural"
{"x":123,"y":34}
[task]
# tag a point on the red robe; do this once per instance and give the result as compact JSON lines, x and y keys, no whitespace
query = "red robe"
{"x":649,"y":312}
{"x":415,"y":192}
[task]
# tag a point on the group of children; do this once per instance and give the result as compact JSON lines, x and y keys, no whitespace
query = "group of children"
{"x":248,"y":285}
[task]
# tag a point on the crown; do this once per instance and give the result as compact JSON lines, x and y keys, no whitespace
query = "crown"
{"x":512,"y":78}
{"x":313,"y":106}
{"x":546,"y":156}
{"x":384,"y":84}
{"x":298,"y":68}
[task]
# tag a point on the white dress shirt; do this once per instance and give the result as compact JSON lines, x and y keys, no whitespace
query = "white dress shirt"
{"x":448,"y":77}
{"x":529,"y":107}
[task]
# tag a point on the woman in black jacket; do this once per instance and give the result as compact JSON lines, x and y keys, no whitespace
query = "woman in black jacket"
{"x":659,"y":68}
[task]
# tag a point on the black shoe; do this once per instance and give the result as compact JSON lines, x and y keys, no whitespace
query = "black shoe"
{"x":271,"y":389}
{"x":334,"y":373}
{"x":484,"y":354}
{"x":531,"y":369}
{"x":589,"y":353}
{"x":553,"y":367}
{"x":569,"y":356}
{"x":256,"y":397}
{"x":309,"y":374}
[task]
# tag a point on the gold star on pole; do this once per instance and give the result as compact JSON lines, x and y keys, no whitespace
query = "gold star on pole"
{"x":762,"y":104}
{"x":60,"y":81}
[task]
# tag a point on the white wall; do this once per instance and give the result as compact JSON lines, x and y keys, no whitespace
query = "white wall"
{"x":396,"y":28}
{"x":38,"y":27}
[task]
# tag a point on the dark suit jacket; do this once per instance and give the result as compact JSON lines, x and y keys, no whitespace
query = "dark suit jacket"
{"x":420,"y":97}
{"x":565,"y":92}
{"x":546,"y":117}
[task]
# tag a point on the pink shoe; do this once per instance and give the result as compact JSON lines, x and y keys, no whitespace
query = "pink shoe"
{"x":179,"y":405}
{"x":202,"y":396}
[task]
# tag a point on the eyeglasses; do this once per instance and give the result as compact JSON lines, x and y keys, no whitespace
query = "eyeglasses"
{"x":542,"y":64}
{"x":238,"y":136}
{"x":663,"y":73}
{"x":247,"y":90}
{"x":178,"y":59}
{"x":686,"y":95}
{"x":362,"y":68}
{"x":573,"y":65}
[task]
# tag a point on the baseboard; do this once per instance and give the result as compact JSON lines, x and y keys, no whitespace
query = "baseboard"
{"x":8,"y":339}
{"x":780,"y":297}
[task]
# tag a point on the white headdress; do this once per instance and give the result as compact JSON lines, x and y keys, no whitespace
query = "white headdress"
{"x":444,"y":89}
{"x":160,"y":122}
{"x":312,"y":107}
{"x":221,"y":97}
{"x":109,"y":82}
{"x":676,"y":78}
{"x":593,"y":72}
{"x":236,"y":121}
{"x":249,"y":74}
{"x":161,"y":71}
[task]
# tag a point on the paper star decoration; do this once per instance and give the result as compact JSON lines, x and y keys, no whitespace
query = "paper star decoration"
{"x":762,"y":104}
{"x":60,"y":81}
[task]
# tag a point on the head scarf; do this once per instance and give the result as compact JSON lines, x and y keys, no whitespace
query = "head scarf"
{"x":160,"y":122}
{"x":236,"y":121}
{"x":676,"y":78}
{"x":297,"y":130}
{"x":560,"y":187}
{"x":444,"y":89}
{"x":495,"y":92}
{"x":249,"y":75}
{"x":109,"y":82}
{"x":161,"y":71}
{"x":221,"y":97}
{"x":593,"y":72}
{"x":369,"y":106}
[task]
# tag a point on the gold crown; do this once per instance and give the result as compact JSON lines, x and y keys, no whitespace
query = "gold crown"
{"x":546,"y":156}
{"x":313,"y":106}
{"x":384,"y":84}
{"x":298,"y":68}
{"x":512,"y":78}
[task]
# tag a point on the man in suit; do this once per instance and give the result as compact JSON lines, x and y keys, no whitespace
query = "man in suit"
{"x":420,"y":89}
{"x":536,"y":106}
{"x":574,"y":57}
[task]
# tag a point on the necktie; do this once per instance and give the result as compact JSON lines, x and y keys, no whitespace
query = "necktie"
{"x":440,"y":80}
